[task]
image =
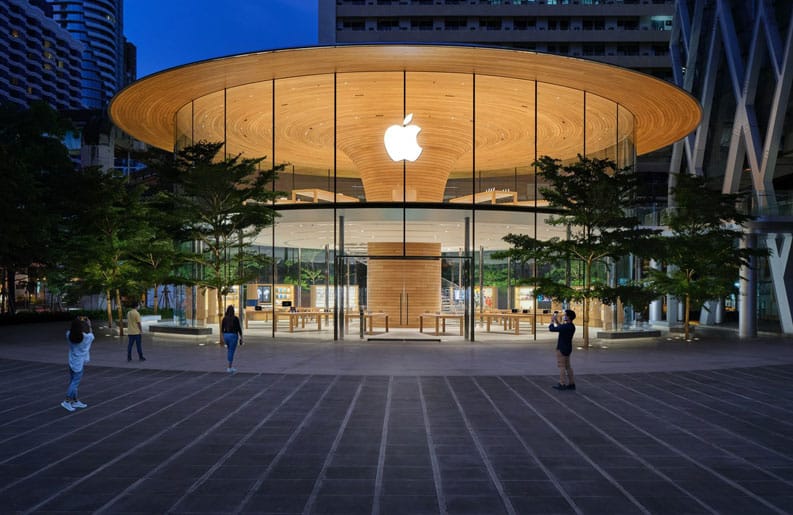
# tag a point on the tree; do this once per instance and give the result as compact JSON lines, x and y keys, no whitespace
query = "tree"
{"x":33,"y":161}
{"x":108,"y":229}
{"x":154,"y":249}
{"x":701,"y":254}
{"x":221,"y":206}
{"x":592,"y":198}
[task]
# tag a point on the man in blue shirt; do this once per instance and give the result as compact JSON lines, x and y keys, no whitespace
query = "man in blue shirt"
{"x":564,"y":347}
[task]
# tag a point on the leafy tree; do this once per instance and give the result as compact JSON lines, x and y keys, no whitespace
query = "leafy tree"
{"x":701,"y":253}
{"x":109,"y":227}
{"x":33,"y":160}
{"x":311,"y":276}
{"x":156,"y":252}
{"x":592,"y":199}
{"x":495,"y":276}
{"x":221,"y":204}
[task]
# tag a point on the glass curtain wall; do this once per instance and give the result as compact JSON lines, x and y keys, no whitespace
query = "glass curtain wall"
{"x":351,"y":221}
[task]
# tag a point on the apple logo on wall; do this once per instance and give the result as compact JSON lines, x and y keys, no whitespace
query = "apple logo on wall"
{"x":400,"y":140}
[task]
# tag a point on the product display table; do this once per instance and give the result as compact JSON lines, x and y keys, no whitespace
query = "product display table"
{"x":440,"y":321}
{"x":368,"y":318}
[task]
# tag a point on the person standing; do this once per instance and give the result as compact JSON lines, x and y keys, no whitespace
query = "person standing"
{"x":232,"y":335}
{"x":564,"y":347}
{"x":134,"y":332}
{"x":80,"y":336}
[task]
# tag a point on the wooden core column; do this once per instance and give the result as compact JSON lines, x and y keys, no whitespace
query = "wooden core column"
{"x":404,"y":288}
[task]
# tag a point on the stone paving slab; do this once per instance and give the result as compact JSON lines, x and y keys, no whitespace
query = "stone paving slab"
{"x":297,"y":354}
{"x":191,"y":441}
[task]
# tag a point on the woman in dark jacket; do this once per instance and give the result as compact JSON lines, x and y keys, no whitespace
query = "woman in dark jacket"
{"x":232,"y":335}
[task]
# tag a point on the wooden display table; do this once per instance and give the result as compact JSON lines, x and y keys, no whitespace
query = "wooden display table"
{"x":368,"y":320}
{"x":440,"y":320}
{"x":300,"y":317}
{"x":315,"y":196}
{"x":492,"y":316}
{"x":490,"y":196}
{"x":511,"y":321}
{"x":263,"y":315}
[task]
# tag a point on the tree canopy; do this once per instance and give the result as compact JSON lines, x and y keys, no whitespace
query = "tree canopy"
{"x":591,"y":198}
{"x":34,"y":167}
{"x":701,"y":250}
{"x":221,"y":205}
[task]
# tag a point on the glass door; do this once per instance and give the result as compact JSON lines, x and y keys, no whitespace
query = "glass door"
{"x":411,"y":291}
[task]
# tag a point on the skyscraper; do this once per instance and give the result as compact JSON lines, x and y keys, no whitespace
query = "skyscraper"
{"x":629,"y":33}
{"x":38,"y":59}
{"x":98,"y":24}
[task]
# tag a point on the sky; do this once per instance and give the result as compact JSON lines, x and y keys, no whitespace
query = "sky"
{"x":170,"y":33}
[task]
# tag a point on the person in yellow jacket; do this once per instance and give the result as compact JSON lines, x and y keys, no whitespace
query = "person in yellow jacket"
{"x":134,"y":332}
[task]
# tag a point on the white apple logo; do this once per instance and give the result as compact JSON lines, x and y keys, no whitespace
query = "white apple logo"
{"x":400,"y":141}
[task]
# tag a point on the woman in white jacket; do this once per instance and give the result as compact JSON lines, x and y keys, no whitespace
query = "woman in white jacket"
{"x":80,"y":338}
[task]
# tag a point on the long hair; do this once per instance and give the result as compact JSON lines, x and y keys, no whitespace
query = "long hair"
{"x":76,"y":331}
{"x":227,"y":324}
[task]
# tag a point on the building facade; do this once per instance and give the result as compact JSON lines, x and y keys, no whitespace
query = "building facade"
{"x":376,"y":231}
{"x":736,"y":57}
{"x":38,"y":59}
{"x":628,"y":33}
{"x":98,"y":25}
{"x":632,"y":34}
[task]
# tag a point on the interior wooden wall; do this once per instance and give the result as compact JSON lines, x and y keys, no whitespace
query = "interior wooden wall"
{"x":414,"y":282}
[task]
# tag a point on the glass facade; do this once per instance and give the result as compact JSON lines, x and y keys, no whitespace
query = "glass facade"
{"x":362,"y":235}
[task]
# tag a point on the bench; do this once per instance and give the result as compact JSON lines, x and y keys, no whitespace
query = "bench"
{"x":178,"y":329}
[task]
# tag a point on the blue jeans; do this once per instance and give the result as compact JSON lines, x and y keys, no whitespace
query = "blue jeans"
{"x":231,"y":340}
{"x":136,"y":339}
{"x":74,"y":382}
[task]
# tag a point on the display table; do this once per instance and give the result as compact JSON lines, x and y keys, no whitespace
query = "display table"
{"x":262,"y":315}
{"x":511,"y":321}
{"x":300,"y":317}
{"x":315,"y":196}
{"x":440,"y":321}
{"x":489,"y":196}
{"x":368,"y":318}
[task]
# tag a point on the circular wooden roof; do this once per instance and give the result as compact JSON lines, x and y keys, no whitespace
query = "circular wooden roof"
{"x":663,"y":113}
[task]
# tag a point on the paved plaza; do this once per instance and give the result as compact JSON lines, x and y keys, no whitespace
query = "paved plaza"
{"x":655,"y":426}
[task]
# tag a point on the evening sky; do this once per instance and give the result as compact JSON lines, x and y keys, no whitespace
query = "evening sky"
{"x":174,"y":32}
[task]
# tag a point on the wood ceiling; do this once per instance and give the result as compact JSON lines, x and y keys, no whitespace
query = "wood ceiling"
{"x":447,"y":88}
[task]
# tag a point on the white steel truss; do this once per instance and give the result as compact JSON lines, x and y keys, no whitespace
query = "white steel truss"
{"x":704,"y":35}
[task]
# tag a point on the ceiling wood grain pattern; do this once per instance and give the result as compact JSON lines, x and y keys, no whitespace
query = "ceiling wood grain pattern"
{"x":439,"y":90}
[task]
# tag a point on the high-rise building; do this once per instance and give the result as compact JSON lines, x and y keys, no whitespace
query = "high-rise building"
{"x":629,"y":33}
{"x":38,"y":59}
{"x":736,"y":57}
{"x":98,"y":24}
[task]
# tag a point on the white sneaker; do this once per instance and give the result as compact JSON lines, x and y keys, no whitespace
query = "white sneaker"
{"x":67,"y":405}
{"x":231,"y":370}
{"x":79,"y":404}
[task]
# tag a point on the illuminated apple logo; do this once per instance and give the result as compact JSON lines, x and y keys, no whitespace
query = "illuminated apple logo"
{"x":400,"y":141}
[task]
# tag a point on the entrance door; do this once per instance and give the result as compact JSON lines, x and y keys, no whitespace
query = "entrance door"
{"x":403,"y":288}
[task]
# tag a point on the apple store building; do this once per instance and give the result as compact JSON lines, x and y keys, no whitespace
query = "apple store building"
{"x":404,"y":168}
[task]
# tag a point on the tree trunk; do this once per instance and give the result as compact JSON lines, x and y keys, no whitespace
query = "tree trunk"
{"x":686,"y":330}
{"x":585,"y":314}
{"x":109,"y":309}
{"x":11,"y":294}
{"x":120,"y":313}
{"x":156,"y":298}
{"x":220,"y":316}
